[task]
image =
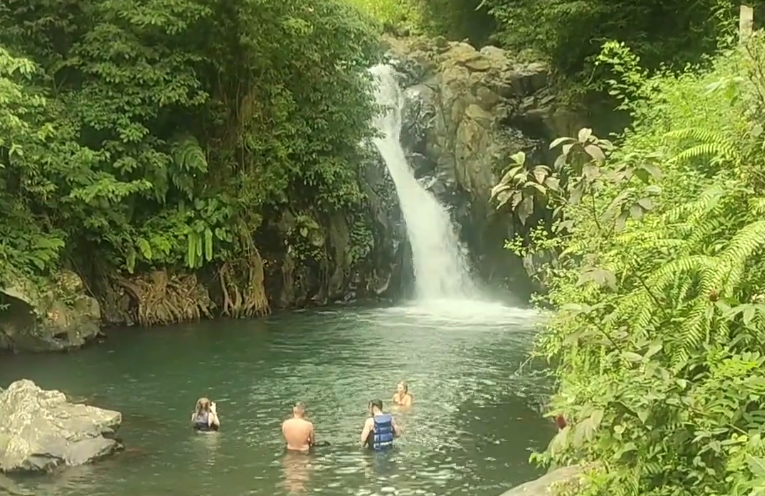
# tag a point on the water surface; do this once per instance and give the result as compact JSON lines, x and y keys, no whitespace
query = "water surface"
{"x":469,"y":432}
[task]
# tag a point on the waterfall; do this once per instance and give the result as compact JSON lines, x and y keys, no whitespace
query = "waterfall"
{"x":440,"y":268}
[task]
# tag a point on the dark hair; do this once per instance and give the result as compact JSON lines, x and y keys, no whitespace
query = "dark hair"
{"x":376,"y":403}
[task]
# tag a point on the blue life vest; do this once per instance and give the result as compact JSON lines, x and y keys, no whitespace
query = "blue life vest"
{"x":383,"y":435}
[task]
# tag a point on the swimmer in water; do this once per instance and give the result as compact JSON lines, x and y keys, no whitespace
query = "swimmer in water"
{"x":402,"y":396}
{"x":379,"y":429}
{"x":205,"y":416}
{"x":298,"y":432}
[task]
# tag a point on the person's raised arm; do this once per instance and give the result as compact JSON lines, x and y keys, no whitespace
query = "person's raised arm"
{"x":407,"y":401}
{"x":366,"y":431}
{"x":193,"y":417}
{"x":213,"y":419}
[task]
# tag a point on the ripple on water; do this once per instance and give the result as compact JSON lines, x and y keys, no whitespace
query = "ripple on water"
{"x":468,"y":434}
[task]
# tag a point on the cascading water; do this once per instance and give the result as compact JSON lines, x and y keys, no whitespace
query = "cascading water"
{"x":440,"y":268}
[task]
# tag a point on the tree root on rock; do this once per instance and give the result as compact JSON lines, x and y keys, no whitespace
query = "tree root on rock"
{"x":165,"y":300}
{"x":241,"y":284}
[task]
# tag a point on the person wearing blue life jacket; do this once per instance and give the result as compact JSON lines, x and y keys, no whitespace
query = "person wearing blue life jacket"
{"x":205,"y":416}
{"x":380,"y":428}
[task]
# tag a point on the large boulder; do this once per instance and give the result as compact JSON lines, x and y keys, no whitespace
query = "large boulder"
{"x":467,"y":112}
{"x":46,"y":315}
{"x":549,"y":484}
{"x":40,"y":430}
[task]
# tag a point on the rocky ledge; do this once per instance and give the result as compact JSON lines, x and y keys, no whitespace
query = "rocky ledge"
{"x":549,"y":484}
{"x":40,"y":430}
{"x":50,"y":315}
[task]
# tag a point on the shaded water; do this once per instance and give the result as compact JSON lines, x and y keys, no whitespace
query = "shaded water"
{"x":468,"y":433}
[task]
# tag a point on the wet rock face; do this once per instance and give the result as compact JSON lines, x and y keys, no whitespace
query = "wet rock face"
{"x":50,"y":315}
{"x":41,"y":431}
{"x":467,"y":111}
{"x":314,"y":259}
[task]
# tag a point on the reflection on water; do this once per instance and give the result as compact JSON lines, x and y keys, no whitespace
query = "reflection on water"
{"x":468,"y":433}
{"x":296,"y":471}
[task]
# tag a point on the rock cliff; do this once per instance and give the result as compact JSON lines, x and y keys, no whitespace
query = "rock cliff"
{"x":467,"y":112}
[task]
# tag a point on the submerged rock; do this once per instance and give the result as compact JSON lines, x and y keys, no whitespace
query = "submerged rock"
{"x":548,"y":483}
{"x":40,"y":430}
{"x":50,"y":315}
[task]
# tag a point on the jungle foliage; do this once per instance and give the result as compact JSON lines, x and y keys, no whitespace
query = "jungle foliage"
{"x":143,"y":137}
{"x":658,"y":340}
{"x":569,"y":34}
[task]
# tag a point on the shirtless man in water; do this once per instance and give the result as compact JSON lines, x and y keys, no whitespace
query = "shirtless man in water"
{"x":298,"y":432}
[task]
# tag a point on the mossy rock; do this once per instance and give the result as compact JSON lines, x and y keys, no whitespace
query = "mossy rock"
{"x":48,"y":315}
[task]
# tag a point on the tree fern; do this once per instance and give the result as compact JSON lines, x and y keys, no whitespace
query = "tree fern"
{"x":189,"y":161}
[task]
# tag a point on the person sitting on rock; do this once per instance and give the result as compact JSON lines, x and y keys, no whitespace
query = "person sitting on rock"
{"x":205,"y":416}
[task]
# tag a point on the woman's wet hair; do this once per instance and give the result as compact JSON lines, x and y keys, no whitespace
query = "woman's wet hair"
{"x":203,"y":404}
{"x":405,"y":386}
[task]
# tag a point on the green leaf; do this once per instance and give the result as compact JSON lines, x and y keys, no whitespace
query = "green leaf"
{"x":560,"y":141}
{"x":756,"y":465}
{"x":584,"y":135}
{"x":632,"y":357}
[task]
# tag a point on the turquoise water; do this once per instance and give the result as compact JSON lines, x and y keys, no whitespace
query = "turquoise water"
{"x":470,"y":431}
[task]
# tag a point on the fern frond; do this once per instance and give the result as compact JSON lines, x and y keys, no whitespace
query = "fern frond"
{"x":667,"y":274}
{"x":731,"y":262}
{"x":188,"y":154}
{"x":714,"y":150}
{"x":693,"y":211}
{"x":696,"y":133}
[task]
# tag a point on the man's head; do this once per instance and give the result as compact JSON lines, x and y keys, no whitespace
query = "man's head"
{"x":375,"y":405}
{"x":299,"y":409}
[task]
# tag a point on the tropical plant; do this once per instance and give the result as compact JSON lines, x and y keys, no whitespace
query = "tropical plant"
{"x":143,"y":143}
{"x":659,"y":336}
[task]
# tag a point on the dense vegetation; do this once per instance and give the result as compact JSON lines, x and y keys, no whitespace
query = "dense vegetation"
{"x":658,"y":282}
{"x":142,"y":137}
{"x":569,"y":33}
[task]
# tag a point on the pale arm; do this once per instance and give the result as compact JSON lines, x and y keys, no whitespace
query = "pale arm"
{"x":396,"y":429}
{"x":312,"y":437}
{"x":213,"y":419}
{"x":407,"y":401}
{"x":365,"y":432}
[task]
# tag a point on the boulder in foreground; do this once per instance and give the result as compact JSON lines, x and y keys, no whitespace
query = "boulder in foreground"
{"x":40,"y":430}
{"x":548,"y":483}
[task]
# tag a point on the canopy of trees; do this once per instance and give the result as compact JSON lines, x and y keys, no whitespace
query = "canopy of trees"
{"x":137,"y":134}
{"x":570,"y":33}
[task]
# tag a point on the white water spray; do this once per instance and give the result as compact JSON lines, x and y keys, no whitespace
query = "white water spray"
{"x":440,"y":268}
